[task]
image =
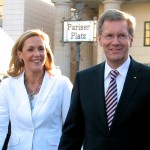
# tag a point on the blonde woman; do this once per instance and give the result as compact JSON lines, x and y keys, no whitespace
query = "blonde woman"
{"x":35,"y":98}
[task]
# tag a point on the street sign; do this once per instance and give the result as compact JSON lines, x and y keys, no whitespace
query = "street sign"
{"x":79,"y":31}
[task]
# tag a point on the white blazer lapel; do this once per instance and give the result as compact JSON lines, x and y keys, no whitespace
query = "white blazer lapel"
{"x":22,"y":96}
{"x":44,"y":91}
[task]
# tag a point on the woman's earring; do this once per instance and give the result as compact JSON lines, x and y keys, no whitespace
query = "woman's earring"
{"x":21,"y":61}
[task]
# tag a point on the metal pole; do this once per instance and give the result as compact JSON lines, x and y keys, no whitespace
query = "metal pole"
{"x":77,"y":55}
{"x":79,"y":16}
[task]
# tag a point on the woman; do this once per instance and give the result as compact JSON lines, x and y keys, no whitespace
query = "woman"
{"x":35,"y":98}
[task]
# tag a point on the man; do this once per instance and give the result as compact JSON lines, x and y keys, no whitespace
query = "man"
{"x":93,"y":123}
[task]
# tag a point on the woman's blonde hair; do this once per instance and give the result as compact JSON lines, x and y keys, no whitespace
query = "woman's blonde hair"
{"x":16,"y":66}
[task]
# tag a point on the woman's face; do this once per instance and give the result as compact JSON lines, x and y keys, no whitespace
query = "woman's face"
{"x":33,"y":54}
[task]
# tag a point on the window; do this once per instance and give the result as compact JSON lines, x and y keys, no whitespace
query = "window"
{"x":147,"y":33}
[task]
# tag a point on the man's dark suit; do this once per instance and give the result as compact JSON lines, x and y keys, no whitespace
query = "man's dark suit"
{"x":86,"y":121}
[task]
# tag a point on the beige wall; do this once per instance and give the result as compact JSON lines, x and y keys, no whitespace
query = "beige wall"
{"x":141,"y":13}
{"x":100,"y":54}
{"x":21,"y":15}
{"x":13,"y":18}
{"x":40,"y":14}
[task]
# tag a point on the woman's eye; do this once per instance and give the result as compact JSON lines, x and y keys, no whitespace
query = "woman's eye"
{"x":30,"y":49}
{"x":41,"y":48}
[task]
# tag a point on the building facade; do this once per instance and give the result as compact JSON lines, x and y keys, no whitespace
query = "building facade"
{"x":20,"y":15}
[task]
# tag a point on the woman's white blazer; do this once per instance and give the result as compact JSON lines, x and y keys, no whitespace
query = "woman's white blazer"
{"x":40,"y":129}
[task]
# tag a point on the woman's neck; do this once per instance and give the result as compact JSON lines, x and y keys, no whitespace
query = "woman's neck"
{"x":34,"y":78}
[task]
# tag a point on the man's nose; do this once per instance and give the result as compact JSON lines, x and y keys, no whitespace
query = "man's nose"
{"x":115,"y":39}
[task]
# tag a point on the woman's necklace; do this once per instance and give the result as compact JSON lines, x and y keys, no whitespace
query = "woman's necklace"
{"x":30,"y":92}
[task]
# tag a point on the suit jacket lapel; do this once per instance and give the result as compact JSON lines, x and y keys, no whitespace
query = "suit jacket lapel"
{"x":133,"y":78}
{"x":44,"y":91}
{"x":99,"y":94}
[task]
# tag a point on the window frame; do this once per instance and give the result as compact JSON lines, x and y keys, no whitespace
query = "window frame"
{"x":145,"y":31}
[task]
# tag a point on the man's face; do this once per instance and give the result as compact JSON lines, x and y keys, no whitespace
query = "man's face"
{"x":115,"y":41}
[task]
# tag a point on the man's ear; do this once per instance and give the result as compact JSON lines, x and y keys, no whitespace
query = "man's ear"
{"x":131,"y":41}
{"x":99,"y":40}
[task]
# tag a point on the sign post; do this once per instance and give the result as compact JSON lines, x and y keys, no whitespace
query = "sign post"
{"x":79,"y":31}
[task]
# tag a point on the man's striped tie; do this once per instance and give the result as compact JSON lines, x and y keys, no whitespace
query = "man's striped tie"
{"x":111,"y":97}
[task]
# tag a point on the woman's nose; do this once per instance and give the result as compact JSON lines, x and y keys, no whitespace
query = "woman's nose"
{"x":36,"y":52}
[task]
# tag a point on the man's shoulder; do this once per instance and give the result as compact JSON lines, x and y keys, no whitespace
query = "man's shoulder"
{"x":98,"y":67}
{"x":140,"y":65}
